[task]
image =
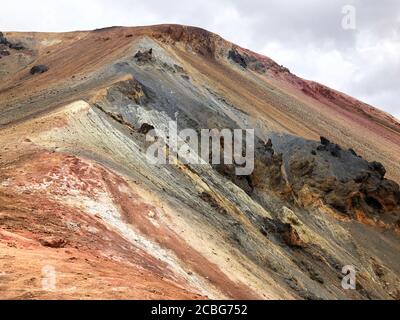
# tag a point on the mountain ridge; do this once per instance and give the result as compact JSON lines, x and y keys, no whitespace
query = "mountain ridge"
{"x":79,"y":197}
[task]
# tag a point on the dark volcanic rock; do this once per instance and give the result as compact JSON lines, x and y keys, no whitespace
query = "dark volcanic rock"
{"x":335,"y":151}
{"x":3,"y":39}
{"x":39,"y":69}
{"x":246,"y":61}
{"x":144,"y":57}
{"x":326,"y":145}
{"x":378,"y":167}
{"x":237,"y":58}
{"x":145,"y":128}
{"x":17,"y":46}
{"x":324,"y":141}
{"x":340,"y":178}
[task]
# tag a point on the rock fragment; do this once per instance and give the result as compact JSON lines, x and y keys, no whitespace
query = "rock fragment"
{"x":146,"y":128}
{"x":39,"y":69}
{"x":53,"y":242}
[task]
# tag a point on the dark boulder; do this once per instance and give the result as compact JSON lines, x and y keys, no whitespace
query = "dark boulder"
{"x":39,"y":69}
{"x":17,"y":46}
{"x":145,"y":128}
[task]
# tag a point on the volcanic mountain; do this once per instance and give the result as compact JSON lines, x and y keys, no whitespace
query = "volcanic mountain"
{"x":85,"y":215}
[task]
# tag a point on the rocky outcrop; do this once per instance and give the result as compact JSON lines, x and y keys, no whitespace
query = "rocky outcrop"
{"x":332,"y":148}
{"x":237,"y":58}
{"x":16,"y":46}
{"x":39,"y":69}
{"x":3,"y":39}
{"x":267,"y":174}
{"x":289,"y":228}
{"x":247,"y":61}
{"x":341,"y":179}
{"x":285,"y":232}
{"x":144,"y":57}
{"x":192,"y":38}
{"x":53,"y":242}
{"x":145,"y":128}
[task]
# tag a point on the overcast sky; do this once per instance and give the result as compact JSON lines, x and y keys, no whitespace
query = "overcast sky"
{"x":306,"y":36}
